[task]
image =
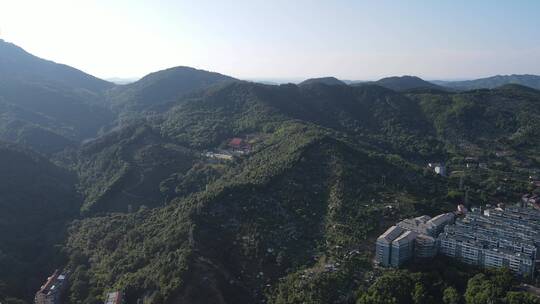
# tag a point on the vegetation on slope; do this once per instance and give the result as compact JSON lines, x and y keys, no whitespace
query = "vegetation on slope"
{"x":37,"y":200}
{"x":122,"y":171}
{"x":294,"y":199}
{"x":406,"y":83}
{"x":162,"y":87}
{"x":46,"y":105}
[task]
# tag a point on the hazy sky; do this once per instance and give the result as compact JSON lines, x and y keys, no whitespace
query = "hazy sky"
{"x":282,"y":39}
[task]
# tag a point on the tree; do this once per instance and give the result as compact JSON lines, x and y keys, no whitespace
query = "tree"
{"x":451,"y":296}
{"x":392,"y":287}
{"x":419,"y":294}
{"x":479,"y":290}
{"x":502,"y":282}
{"x":514,"y":297}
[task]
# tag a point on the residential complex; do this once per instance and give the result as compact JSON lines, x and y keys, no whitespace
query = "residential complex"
{"x":495,"y":238}
{"x":409,"y":238}
{"x":491,"y":238}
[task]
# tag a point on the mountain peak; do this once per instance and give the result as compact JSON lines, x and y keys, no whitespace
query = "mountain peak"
{"x":324,"y":80}
{"x":405,"y":82}
{"x":181,"y":71}
{"x":165,"y":86}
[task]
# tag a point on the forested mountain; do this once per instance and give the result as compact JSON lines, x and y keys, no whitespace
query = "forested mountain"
{"x":50,"y":106}
{"x":124,"y":170}
{"x":506,"y":116}
{"x":532,"y":81}
{"x":323,"y":80}
{"x":18,"y":65}
{"x":46,"y":105}
{"x":37,"y":200}
{"x":115,"y":169}
{"x":201,"y":188}
{"x":328,"y":158}
{"x":405,"y":83}
{"x":163,"y":86}
{"x":283,"y":210}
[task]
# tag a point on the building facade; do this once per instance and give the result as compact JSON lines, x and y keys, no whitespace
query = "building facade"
{"x":495,"y":238}
{"x":383,"y":251}
{"x":410,"y":238}
{"x":492,"y":238}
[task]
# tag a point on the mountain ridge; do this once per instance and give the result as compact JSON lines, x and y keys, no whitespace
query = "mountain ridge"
{"x":14,"y":59}
{"x":163,"y":86}
{"x":405,"y":83}
{"x":529,"y":80}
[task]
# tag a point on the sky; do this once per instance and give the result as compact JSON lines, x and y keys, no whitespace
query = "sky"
{"x":275,"y":39}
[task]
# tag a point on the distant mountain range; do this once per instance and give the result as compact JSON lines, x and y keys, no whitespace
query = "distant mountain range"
{"x":406,"y":83}
{"x":532,"y":81}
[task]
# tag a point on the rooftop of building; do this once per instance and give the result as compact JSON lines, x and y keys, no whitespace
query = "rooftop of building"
{"x":53,"y":283}
{"x":405,"y":237}
{"x":114,"y":297}
{"x":442,"y":218}
{"x":390,"y":234}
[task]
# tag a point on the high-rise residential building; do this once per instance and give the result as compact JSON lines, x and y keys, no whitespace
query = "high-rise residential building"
{"x":402,"y":248}
{"x":414,"y":237}
{"x":495,"y":238}
{"x":384,"y":245}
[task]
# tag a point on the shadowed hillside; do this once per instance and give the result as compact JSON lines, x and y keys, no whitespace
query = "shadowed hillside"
{"x":46,"y":105}
{"x":37,"y":200}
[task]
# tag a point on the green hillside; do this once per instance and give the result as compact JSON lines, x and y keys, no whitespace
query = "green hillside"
{"x":140,"y":163}
{"x":162,"y":87}
{"x":295,"y":221}
{"x":123,"y":170}
{"x":371,"y":114}
{"x":305,"y":194}
{"x":507,"y":115}
{"x":37,"y":200}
